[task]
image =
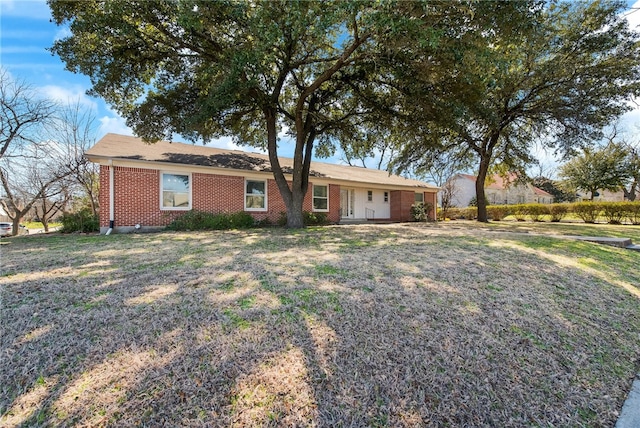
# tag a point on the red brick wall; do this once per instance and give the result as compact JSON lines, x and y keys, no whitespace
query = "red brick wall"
{"x":334,"y":203}
{"x":137,"y":197}
{"x":103,"y":195}
{"x":401,"y":201}
{"x":431,"y":198}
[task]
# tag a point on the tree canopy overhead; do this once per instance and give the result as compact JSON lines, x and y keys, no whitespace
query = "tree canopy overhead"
{"x":558,"y":78}
{"x":252,"y":70}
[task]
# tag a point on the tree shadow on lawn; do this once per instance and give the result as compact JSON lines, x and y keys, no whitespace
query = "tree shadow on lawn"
{"x":328,"y":328}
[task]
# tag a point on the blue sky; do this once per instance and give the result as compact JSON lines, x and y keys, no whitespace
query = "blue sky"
{"x":26,"y":32}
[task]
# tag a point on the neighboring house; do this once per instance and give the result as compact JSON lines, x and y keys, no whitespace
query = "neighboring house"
{"x":3,"y":215}
{"x":498,"y":191}
{"x":601,"y":196}
{"x":151,"y":184}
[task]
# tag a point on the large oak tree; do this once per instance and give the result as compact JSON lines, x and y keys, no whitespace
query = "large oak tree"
{"x":252,"y":70}
{"x":557,"y":78}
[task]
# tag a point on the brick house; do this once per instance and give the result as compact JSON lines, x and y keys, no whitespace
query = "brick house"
{"x":151,"y":184}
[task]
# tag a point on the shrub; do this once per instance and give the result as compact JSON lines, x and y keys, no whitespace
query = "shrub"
{"x":632,"y":211}
{"x":315,"y":219}
{"x":470,"y":213}
{"x":587,"y":211}
{"x":201,"y":220}
{"x":454,"y":213}
{"x":497,"y":212}
{"x":558,"y":211}
{"x":519,"y":211}
{"x":308,"y":218}
{"x":537,"y":211}
{"x":82,"y":221}
{"x":614,"y":212}
{"x":420,"y":211}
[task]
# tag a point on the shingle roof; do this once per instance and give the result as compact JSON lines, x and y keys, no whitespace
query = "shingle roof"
{"x":498,"y":182}
{"x":114,"y":146}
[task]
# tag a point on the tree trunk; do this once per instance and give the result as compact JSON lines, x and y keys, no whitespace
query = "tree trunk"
{"x":295,"y":216}
{"x":16,"y":225}
{"x":631,"y":193}
{"x":480,"y":196}
{"x":292,"y":196}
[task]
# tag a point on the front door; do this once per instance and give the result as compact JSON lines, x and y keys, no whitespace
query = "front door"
{"x":346,"y":203}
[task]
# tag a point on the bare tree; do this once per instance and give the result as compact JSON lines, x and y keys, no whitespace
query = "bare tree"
{"x":76,"y":131}
{"x":55,"y":203}
{"x":22,"y":115}
{"x":41,"y":145}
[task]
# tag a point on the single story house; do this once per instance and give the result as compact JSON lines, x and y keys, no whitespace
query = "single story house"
{"x":498,"y":191}
{"x":601,"y":196}
{"x":149,"y":185}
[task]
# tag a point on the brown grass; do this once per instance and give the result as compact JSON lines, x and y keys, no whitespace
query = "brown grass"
{"x":399,"y":325}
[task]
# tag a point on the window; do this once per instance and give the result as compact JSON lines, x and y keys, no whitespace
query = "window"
{"x":175,"y":190}
{"x":320,"y":198}
{"x":419,"y":197}
{"x":255,"y":195}
{"x":386,"y":197}
{"x":369,"y":195}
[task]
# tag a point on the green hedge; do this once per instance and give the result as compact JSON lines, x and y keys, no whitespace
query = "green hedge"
{"x":558,"y":211}
{"x":498,"y":212}
{"x":589,"y":212}
{"x":201,"y":220}
{"x":82,"y":221}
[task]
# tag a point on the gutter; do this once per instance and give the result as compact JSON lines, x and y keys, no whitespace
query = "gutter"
{"x":111,"y":199}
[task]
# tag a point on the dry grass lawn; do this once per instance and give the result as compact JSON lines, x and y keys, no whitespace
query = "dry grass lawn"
{"x":354,"y":326}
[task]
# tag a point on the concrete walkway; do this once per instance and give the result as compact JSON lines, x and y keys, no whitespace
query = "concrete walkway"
{"x":630,"y":414}
{"x":615,"y":242}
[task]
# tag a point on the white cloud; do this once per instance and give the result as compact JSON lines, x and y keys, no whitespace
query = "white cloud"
{"x":68,"y":95}
{"x":34,"y":9}
{"x":633,"y":16}
{"x":113,"y":124}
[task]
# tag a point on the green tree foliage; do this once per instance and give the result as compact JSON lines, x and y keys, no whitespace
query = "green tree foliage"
{"x":205,"y":69}
{"x":593,"y":170}
{"x":556,"y":73}
{"x":554,"y":188}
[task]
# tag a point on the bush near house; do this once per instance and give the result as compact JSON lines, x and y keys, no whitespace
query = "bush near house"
{"x":201,"y":220}
{"x":308,"y":218}
{"x":420,"y":211}
{"x":82,"y":221}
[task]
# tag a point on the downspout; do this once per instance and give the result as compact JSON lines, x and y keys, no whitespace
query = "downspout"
{"x":111,"y":199}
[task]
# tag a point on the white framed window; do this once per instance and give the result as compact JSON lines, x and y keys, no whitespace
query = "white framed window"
{"x":255,"y":195}
{"x":386,"y":197}
{"x":419,"y":197}
{"x":175,"y":191}
{"x":320,"y":198}
{"x":369,"y":195}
